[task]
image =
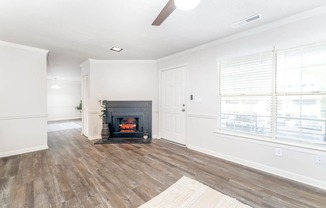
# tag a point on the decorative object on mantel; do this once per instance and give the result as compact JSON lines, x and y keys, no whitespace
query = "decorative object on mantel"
{"x":145,"y":137}
{"x":105,"y":132}
{"x":127,"y":122}
{"x":79,"y":107}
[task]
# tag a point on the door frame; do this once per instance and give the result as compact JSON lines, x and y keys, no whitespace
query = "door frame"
{"x":186,"y":101}
{"x":85,"y":101}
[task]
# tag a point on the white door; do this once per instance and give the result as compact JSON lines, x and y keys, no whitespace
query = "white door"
{"x":173,"y":105}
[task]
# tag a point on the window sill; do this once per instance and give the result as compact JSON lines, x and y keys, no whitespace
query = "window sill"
{"x":295,"y":145}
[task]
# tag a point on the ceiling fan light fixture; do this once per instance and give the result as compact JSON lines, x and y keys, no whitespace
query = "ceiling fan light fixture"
{"x":186,"y":4}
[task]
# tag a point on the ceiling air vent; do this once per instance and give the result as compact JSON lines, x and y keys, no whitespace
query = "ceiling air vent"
{"x":247,"y":20}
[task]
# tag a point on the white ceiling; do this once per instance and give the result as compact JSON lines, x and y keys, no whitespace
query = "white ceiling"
{"x":81,"y":29}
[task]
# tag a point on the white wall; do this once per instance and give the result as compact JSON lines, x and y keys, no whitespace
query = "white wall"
{"x":62,"y":101}
{"x":121,"y":80}
{"x":23,"y":107}
{"x":63,"y":66}
{"x":297,"y":163}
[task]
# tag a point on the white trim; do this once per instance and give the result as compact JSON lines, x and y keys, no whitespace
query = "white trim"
{"x":83,"y":134}
{"x":64,"y":81}
{"x":65,"y":119}
{"x":85,"y":102}
{"x":93,"y":112}
{"x":296,"y":146}
{"x":63,"y":106}
{"x":123,"y":61}
{"x":274,"y":96}
{"x":174,"y":67}
{"x":202,"y":116}
{"x":172,"y":142}
{"x":263,"y":28}
{"x":23,"y":117}
{"x":265,"y":168}
{"x":93,"y":137}
{"x":15,"y":45}
{"x":155,"y":136}
{"x":24,"y":150}
{"x":84,"y":63}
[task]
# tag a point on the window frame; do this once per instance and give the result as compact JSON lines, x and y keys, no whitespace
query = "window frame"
{"x":274,"y":137}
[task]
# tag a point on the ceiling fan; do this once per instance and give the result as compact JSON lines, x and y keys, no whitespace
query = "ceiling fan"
{"x":171,"y":5}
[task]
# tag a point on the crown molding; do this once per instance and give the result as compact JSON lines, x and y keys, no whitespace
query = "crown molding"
{"x":285,"y":21}
{"x":87,"y":61}
{"x":123,"y":61}
{"x":24,"y":47}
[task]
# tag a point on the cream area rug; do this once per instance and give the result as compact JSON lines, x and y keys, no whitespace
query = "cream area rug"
{"x":62,"y":126}
{"x":188,"y":193}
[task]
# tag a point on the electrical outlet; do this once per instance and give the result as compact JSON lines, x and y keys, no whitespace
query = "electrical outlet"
{"x":279,"y":152}
{"x":319,"y":160}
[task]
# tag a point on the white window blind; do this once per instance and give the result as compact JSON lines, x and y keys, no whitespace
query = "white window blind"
{"x":246,"y":94}
{"x":247,"y":75}
{"x":301,"y":93}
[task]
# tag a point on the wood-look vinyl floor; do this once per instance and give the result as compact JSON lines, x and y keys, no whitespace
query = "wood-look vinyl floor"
{"x":74,"y":172}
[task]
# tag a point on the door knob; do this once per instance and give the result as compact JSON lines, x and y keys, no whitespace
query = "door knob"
{"x":183,"y":110}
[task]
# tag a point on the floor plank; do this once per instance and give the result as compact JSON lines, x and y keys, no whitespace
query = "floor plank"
{"x":74,"y":172}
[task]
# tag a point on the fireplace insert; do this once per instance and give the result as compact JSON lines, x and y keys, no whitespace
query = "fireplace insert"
{"x":129,"y":120}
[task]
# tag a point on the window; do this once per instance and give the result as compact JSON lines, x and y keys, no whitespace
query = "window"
{"x":301,"y":93}
{"x":246,"y":94}
{"x":280,"y":95}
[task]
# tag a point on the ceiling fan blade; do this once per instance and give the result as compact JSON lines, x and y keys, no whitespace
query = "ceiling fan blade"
{"x":166,"y":11}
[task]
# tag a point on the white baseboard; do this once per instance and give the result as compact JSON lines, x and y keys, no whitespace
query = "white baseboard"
{"x":65,"y":119}
{"x":22,"y":151}
{"x":268,"y":169}
{"x":94,"y":137}
{"x":155,"y":136}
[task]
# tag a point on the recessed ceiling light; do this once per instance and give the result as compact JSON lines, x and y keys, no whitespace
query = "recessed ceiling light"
{"x":116,"y":49}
